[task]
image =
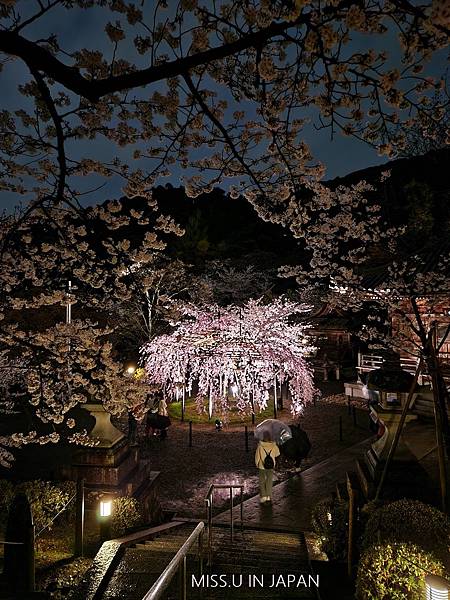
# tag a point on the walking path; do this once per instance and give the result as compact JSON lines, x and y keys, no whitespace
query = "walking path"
{"x":294,"y":499}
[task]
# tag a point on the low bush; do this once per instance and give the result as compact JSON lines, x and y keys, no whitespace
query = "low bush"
{"x":395,"y":572}
{"x":127,"y":513}
{"x":330,"y":523}
{"x":46,"y":499}
{"x":412,"y":522}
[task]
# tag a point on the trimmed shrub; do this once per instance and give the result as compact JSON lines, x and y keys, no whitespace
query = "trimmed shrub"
{"x":46,"y":499}
{"x":409,"y":521}
{"x":330,"y":523}
{"x":395,"y":572}
{"x":126,"y":514}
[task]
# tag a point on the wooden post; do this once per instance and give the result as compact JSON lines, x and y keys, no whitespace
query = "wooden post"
{"x":440,"y":441}
{"x":246,"y":438}
{"x":283,"y":388}
{"x":352,"y":500}
{"x":354,"y":416}
{"x":190,"y":434}
{"x":19,"y":564}
{"x":29,"y":567}
{"x":79,"y":518}
{"x":398,"y":433}
{"x":275,"y":399}
{"x":349,"y":405}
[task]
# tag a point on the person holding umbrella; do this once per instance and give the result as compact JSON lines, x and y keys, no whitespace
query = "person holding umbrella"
{"x":265,"y":456}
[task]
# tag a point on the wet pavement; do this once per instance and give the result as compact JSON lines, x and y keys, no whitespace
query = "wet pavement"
{"x":294,"y":499}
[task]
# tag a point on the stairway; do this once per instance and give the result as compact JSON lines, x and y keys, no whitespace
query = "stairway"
{"x":424,"y":407}
{"x":255,"y":561}
{"x":142,"y":564}
{"x":247,"y":567}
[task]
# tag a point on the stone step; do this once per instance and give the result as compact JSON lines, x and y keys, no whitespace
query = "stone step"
{"x":258,"y":553}
{"x":253,"y":553}
{"x":161,"y":547}
{"x":255,"y":556}
{"x":424,"y":407}
{"x":245,"y":594}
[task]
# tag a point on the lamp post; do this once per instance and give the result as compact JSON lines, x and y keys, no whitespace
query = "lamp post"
{"x":130,"y":368}
{"x":436,"y":588}
{"x":79,"y":520}
{"x":105,"y":518}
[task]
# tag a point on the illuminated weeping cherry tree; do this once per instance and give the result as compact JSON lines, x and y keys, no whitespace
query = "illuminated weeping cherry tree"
{"x":233,"y":355}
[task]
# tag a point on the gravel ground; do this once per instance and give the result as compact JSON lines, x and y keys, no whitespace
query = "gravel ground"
{"x":220,"y":457}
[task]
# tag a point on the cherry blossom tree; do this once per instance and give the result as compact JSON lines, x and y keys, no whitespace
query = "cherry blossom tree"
{"x":238,"y":80}
{"x":233,"y":355}
{"x":223,"y":91}
{"x":365,"y":263}
{"x":67,"y":362}
{"x":227,"y":283}
{"x":156,"y":285}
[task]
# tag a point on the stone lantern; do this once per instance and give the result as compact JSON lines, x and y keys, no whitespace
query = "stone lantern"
{"x":112,"y":467}
{"x":388,"y":387}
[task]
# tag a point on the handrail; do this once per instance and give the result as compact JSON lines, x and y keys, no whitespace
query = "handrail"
{"x":5,"y":543}
{"x":178,"y":563}
{"x":209,"y":508}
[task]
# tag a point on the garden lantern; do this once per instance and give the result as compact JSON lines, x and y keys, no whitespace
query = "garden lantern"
{"x":390,"y":384}
{"x":105,"y":518}
{"x":389,"y":387}
{"x":105,"y":507}
{"x":130,"y":369}
{"x":436,"y":588}
{"x":234,"y":390}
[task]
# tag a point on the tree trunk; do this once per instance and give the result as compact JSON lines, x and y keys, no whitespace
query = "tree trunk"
{"x":440,"y":396}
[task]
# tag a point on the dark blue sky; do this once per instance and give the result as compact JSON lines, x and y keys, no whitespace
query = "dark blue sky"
{"x":86,"y":29}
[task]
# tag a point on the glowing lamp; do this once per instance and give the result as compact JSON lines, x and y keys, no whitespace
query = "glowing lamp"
{"x":131,"y":369}
{"x":436,"y":588}
{"x":234,"y":389}
{"x":105,"y":508}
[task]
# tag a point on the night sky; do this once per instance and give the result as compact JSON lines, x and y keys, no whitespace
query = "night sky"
{"x":85,"y":28}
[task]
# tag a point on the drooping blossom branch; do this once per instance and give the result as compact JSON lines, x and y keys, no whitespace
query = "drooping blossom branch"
{"x":232,"y":355}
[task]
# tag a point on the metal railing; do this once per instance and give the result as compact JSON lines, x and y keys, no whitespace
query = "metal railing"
{"x":369,"y":362}
{"x":178,"y":565}
{"x":5,"y":543}
{"x":209,"y":510}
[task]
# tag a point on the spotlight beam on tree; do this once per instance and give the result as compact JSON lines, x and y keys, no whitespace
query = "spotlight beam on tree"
{"x":233,"y":355}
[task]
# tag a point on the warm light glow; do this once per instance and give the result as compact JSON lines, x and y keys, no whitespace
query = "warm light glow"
{"x":232,"y":356}
{"x":436,"y":588}
{"x":131,"y":369}
{"x":105,"y":508}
